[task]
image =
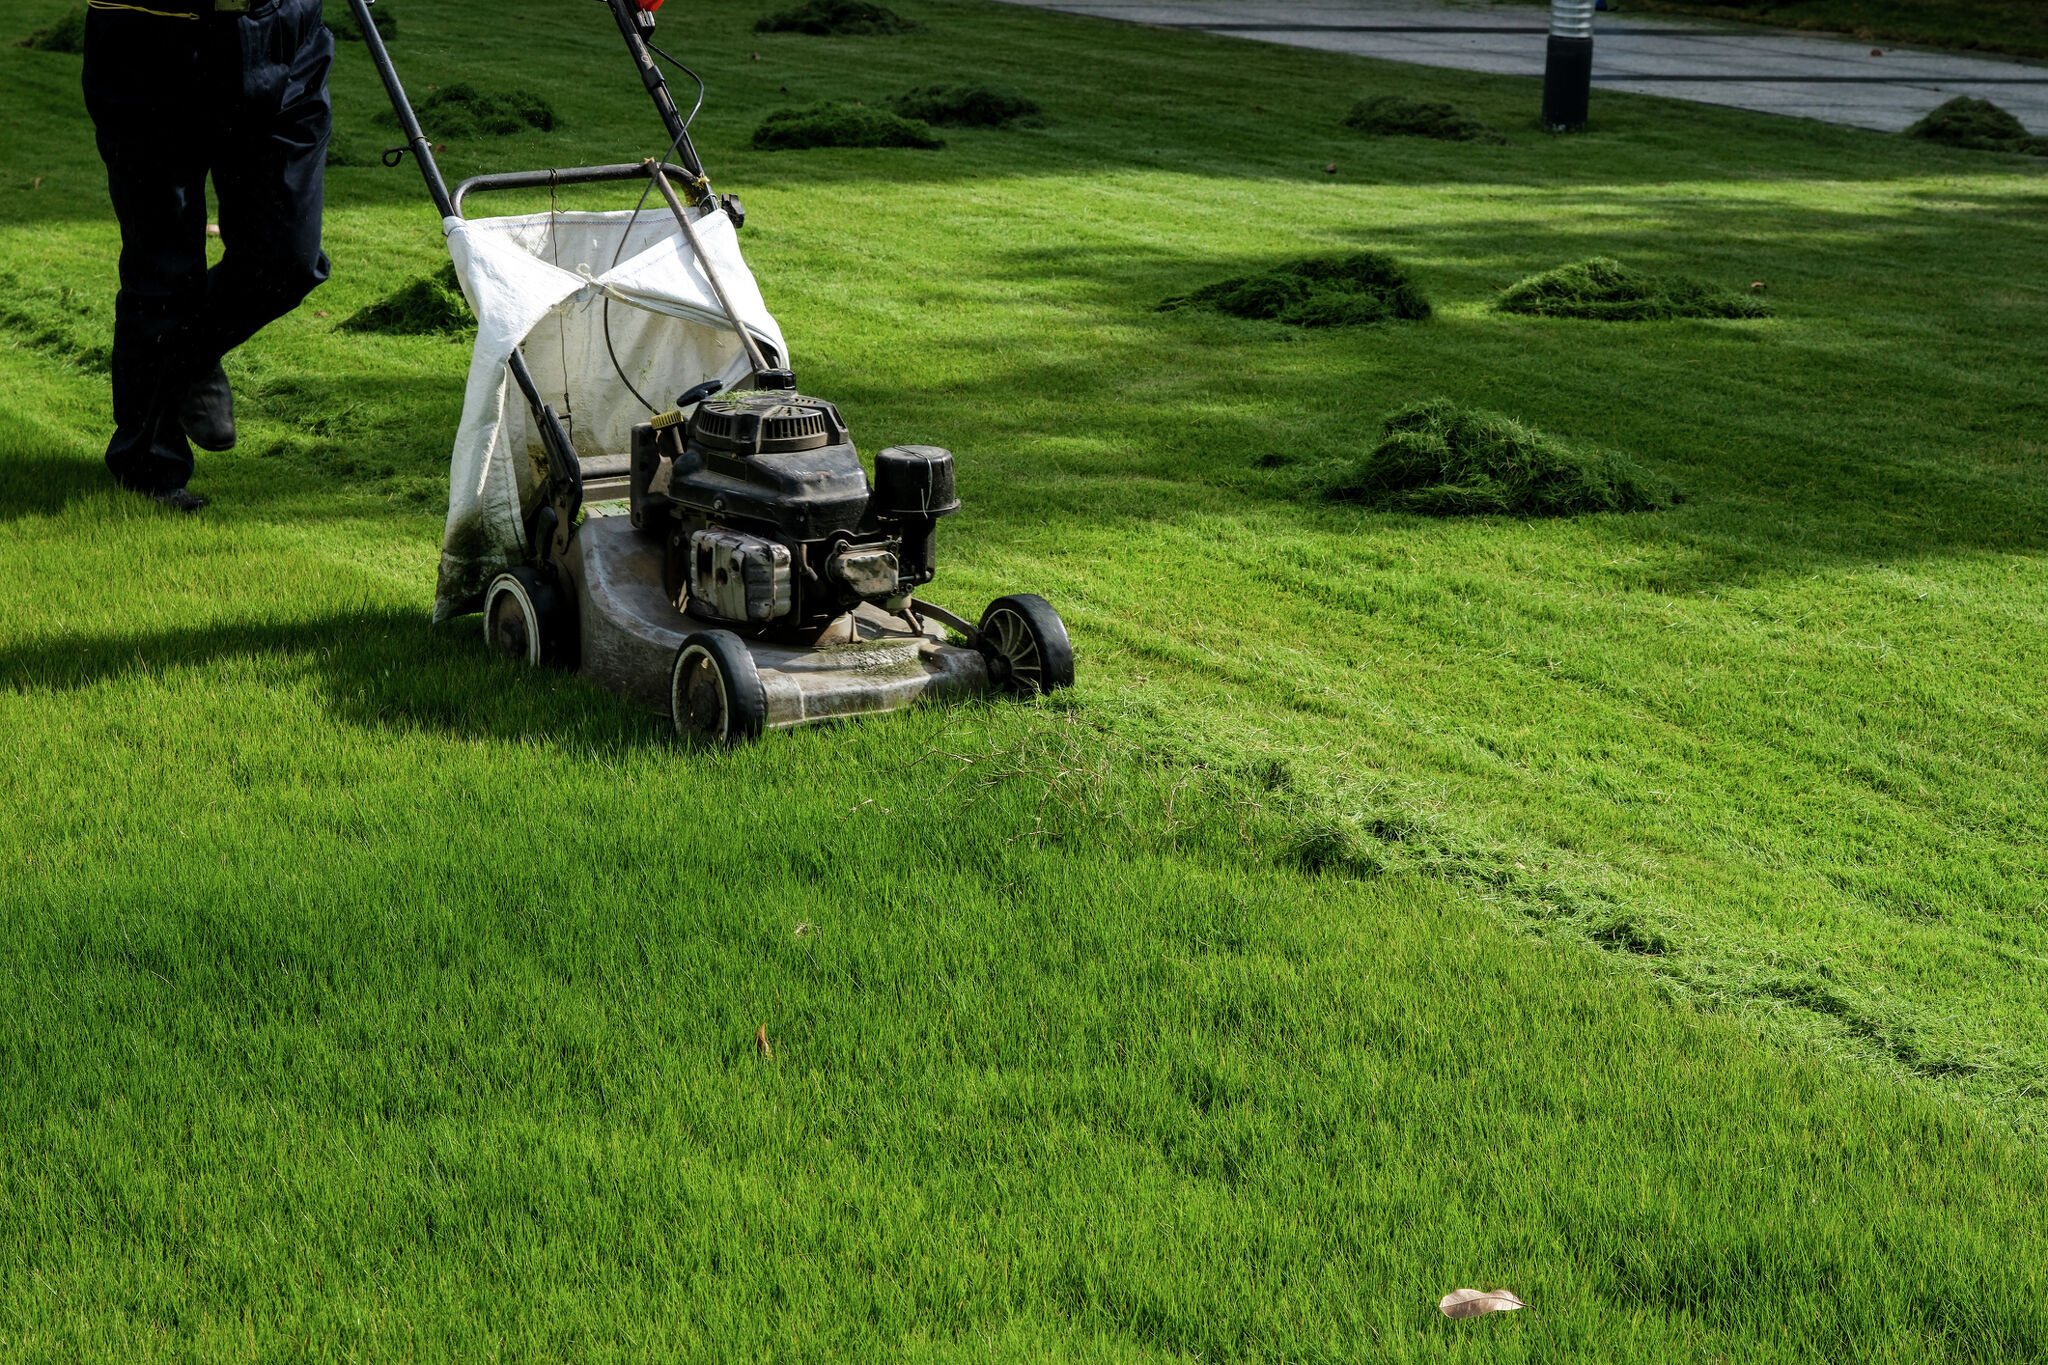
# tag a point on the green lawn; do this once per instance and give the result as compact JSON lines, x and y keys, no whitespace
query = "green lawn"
{"x":1676,"y":954}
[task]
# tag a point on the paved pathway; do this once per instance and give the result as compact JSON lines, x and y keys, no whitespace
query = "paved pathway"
{"x":1769,"y":70}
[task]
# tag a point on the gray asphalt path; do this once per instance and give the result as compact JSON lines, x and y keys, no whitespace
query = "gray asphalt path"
{"x":1768,"y":70}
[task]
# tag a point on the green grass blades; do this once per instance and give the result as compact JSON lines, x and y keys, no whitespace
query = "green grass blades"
{"x":1639,"y":913}
{"x":1441,"y":460}
{"x":1361,"y":289}
{"x":1605,"y":290}
{"x":842,"y":125}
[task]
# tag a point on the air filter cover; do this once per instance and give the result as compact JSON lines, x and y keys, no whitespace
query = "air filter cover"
{"x":915,"y":481}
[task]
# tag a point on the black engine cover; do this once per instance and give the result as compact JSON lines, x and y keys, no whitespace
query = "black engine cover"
{"x":772,"y":462}
{"x":780,"y":466}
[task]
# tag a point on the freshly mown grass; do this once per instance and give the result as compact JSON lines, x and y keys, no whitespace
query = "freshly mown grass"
{"x":1441,"y":460}
{"x":1643,"y":913}
{"x":1406,"y":116}
{"x":1605,"y":290}
{"x":1359,"y":289}
{"x":842,"y":125}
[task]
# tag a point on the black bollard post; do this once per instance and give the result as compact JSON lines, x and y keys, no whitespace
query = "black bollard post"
{"x":1568,"y":66}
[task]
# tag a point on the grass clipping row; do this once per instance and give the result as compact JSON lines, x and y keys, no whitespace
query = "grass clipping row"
{"x":842,"y":125}
{"x":463,"y":111}
{"x":1404,"y":116}
{"x":1608,"y":291}
{"x":65,"y":35}
{"x":1979,"y":125}
{"x":431,"y":305}
{"x":1441,"y":460}
{"x":965,"y":106}
{"x":1361,"y":289}
{"x":834,"y":19}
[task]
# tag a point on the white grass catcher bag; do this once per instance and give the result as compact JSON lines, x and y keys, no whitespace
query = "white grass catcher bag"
{"x":540,"y":282}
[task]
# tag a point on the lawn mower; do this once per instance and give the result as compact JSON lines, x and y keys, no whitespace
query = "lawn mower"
{"x":660,"y":508}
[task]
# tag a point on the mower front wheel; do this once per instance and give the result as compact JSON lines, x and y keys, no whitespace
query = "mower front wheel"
{"x":1026,"y":645}
{"x":714,"y":690}
{"x":525,"y":620}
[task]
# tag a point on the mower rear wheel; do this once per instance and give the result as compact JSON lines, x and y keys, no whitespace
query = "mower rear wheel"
{"x":1026,"y":645}
{"x":714,"y":691}
{"x":525,"y":619}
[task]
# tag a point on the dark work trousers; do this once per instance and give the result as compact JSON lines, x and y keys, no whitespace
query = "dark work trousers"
{"x":174,"y":98}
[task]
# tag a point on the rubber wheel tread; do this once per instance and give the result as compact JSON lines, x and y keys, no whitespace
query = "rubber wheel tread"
{"x":743,"y":712}
{"x":1027,"y":635}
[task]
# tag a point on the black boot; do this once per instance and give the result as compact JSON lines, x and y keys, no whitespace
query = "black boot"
{"x":180,"y":499}
{"x":207,"y":412}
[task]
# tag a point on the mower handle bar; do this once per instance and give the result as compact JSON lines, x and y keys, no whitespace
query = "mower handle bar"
{"x":573,"y":175}
{"x":623,"y":12}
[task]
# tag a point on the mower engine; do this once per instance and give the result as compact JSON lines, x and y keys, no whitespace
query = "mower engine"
{"x":768,"y":521}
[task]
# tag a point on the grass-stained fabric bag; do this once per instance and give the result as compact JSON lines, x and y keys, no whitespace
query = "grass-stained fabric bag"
{"x":541,"y":282}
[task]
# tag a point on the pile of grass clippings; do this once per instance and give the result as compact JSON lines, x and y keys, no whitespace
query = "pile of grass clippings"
{"x":1979,"y":125}
{"x":965,"y":106}
{"x":431,"y":305}
{"x":1324,"y":291}
{"x":1402,"y":116}
{"x":343,"y":24}
{"x":66,"y":35}
{"x":1438,"y":459}
{"x":834,"y":19}
{"x":463,"y":111}
{"x":1608,"y":291}
{"x":841,"y":125}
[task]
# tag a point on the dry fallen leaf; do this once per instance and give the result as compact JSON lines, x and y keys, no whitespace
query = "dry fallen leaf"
{"x":761,"y":1046}
{"x":36,"y":183}
{"x":1330,"y":169}
{"x":1470,"y":1303}
{"x":1756,"y":286}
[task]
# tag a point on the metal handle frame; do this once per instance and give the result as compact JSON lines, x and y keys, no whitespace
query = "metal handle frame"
{"x":573,"y":175}
{"x":555,"y":522}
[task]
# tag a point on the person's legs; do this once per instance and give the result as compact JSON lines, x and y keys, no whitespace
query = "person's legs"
{"x":268,"y":163}
{"x":152,"y":144}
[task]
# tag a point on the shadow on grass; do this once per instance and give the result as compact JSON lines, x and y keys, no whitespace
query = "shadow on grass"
{"x":44,"y":485}
{"x":386,"y":670}
{"x":303,"y":433}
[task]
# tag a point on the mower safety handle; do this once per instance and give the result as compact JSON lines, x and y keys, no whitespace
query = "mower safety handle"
{"x":574,"y":175}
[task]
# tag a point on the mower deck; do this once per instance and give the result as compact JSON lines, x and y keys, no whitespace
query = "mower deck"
{"x":867,"y":661}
